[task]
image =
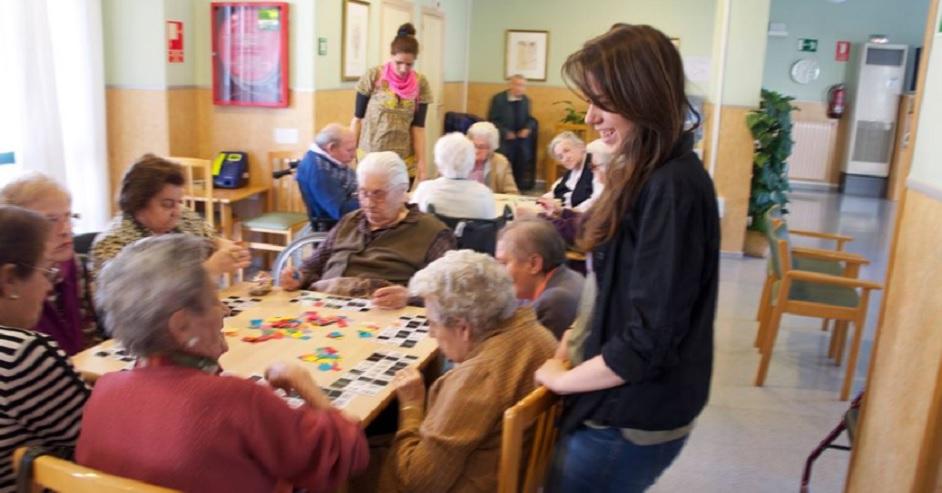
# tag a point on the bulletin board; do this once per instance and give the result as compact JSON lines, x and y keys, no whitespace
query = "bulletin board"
{"x":250,"y":53}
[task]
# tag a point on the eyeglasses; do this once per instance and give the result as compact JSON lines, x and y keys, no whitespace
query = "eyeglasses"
{"x":51,"y":274}
{"x":378,"y":195}
{"x":65,"y":218}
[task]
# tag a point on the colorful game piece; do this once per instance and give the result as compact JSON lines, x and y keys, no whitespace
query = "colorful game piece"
{"x":326,"y":358}
{"x":256,"y":323}
{"x":364,"y":334}
{"x":335,"y":335}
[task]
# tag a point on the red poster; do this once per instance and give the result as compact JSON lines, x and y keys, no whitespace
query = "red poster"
{"x":174,"y":42}
{"x":250,"y":54}
{"x":842,"y":51}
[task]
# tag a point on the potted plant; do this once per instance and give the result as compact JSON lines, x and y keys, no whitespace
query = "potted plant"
{"x":571,"y":115}
{"x":771,"y":128}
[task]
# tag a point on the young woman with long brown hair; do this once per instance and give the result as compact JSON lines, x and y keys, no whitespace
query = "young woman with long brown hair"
{"x":654,"y":240}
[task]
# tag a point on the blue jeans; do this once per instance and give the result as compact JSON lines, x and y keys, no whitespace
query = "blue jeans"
{"x":599,"y":460}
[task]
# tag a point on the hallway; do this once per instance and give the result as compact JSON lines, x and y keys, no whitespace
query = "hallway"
{"x":756,"y":439}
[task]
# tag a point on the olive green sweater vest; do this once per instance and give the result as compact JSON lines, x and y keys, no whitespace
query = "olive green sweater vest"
{"x":394,"y":254}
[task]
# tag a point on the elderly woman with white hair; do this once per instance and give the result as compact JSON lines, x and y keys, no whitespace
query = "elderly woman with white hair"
{"x":68,"y":315}
{"x":575,"y":186}
{"x":174,"y":420}
{"x":453,"y":194}
{"x":490,"y":167}
{"x":450,"y":440}
{"x":375,"y":250}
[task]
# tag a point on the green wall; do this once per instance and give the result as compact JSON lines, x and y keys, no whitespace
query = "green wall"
{"x":571,"y":23}
{"x":902,"y":21}
{"x":133,"y":41}
{"x":329,"y":21}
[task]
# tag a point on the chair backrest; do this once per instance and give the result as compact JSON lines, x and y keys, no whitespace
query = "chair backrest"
{"x":538,"y":411}
{"x":296,"y":252}
{"x":285,"y":194}
{"x":479,"y":235}
{"x":199,"y":184}
{"x":68,"y":477}
{"x":459,"y":122}
{"x":780,"y":259}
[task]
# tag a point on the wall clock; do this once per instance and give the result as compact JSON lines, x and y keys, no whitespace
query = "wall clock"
{"x":805,"y":70}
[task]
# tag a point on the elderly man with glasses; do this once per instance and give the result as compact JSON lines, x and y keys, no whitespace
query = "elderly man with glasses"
{"x":374,"y":251}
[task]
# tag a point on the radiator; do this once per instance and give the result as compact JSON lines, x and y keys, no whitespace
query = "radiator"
{"x":813,"y":151}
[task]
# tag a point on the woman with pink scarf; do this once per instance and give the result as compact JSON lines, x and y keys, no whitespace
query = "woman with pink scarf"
{"x":391,"y":103}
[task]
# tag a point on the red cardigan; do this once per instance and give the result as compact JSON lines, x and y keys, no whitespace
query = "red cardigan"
{"x":185,"y":429}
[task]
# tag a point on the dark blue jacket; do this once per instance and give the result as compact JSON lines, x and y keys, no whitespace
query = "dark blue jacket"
{"x":329,"y":189}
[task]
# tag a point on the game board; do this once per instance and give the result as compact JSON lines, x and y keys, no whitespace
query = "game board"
{"x":310,"y":298}
{"x":338,"y":398}
{"x":374,"y":373}
{"x":119,"y":353}
{"x":407,"y":332}
{"x":237,"y":304}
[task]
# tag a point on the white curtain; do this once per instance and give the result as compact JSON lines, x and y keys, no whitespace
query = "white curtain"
{"x":52,"y":98}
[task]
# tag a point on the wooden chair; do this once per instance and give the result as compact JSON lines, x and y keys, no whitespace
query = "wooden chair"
{"x":539,"y":410}
{"x":285,"y":203}
{"x":199,"y":185}
{"x":835,"y":262}
{"x":63,"y":476}
{"x":811,"y":294}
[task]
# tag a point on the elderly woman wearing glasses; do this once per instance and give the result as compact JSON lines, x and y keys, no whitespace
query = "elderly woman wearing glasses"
{"x":173,"y":420}
{"x":41,"y":395}
{"x":151,"y":201}
{"x":68,"y":315}
{"x":375,"y":250}
{"x":449,"y":440}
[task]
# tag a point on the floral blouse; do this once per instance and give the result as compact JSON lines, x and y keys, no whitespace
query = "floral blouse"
{"x":387,"y":125}
{"x":124,"y":230}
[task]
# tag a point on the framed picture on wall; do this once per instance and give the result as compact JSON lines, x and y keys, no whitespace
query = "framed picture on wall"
{"x":525,"y":54}
{"x":250,"y":53}
{"x":356,"y":28}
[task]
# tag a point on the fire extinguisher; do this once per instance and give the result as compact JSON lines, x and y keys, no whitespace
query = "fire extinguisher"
{"x":836,"y":94}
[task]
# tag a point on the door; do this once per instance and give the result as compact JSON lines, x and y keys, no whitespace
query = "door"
{"x":393,"y":13}
{"x":431,"y":65}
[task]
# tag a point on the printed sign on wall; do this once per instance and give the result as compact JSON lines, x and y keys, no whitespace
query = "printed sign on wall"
{"x":842,"y":51}
{"x":174,"y":42}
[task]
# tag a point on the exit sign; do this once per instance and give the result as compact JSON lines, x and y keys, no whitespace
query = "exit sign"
{"x":805,"y":44}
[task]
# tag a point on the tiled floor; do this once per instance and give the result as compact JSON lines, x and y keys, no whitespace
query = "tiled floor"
{"x":756,"y":439}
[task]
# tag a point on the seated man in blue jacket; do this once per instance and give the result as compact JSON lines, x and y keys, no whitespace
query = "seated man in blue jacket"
{"x":327,"y":181}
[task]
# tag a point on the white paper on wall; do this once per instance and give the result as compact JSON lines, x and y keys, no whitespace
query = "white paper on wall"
{"x":697,"y":68}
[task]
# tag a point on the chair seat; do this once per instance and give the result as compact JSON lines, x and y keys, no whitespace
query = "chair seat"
{"x":832,"y":267}
{"x":276,"y":220}
{"x":814,"y":292}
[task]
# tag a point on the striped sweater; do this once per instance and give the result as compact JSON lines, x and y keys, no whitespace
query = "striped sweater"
{"x":41,"y":397}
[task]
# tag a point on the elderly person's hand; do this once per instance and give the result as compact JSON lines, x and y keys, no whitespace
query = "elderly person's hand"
{"x":562,"y":350}
{"x":290,"y":279}
{"x":391,"y":297}
{"x":228,"y":258}
{"x":410,"y":388}
{"x":510,"y":136}
{"x":550,"y":205}
{"x":550,"y":374}
{"x":293,"y":377}
{"x":523,"y":133}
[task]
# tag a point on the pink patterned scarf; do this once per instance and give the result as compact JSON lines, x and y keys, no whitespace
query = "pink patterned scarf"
{"x":405,"y":87}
